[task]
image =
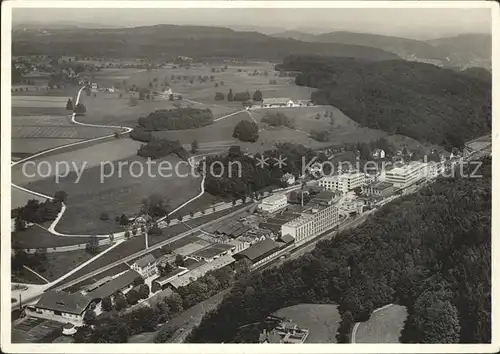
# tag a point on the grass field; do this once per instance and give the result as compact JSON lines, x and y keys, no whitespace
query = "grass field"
{"x":121,"y":193}
{"x":37,"y":237}
{"x":44,"y":101}
{"x":28,"y":146}
{"x":384,"y":326}
{"x":19,"y":198}
{"x":322,"y":320}
{"x":89,"y":156}
{"x":58,"y":264}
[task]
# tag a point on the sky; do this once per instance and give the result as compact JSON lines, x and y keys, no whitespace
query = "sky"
{"x":414,"y":23}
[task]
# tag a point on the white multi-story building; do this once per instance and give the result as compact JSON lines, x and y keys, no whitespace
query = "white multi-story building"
{"x":313,"y":221}
{"x":146,"y":266}
{"x":402,"y":177}
{"x":343,"y":182}
{"x":274,"y":203}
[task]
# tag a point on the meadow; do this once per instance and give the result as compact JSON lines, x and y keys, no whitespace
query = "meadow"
{"x":384,"y":326}
{"x":322,"y":320}
{"x":120,"y":193}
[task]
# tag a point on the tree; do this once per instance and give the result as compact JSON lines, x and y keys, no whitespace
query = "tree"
{"x":127,"y":234}
{"x":80,"y":109}
{"x":165,"y":269}
{"x":92,"y":246}
{"x":19,"y":225}
{"x":133,"y":101}
{"x":246,"y":131}
{"x":179,"y":260}
{"x":257,"y":96}
{"x":106,"y":304}
{"x":69,"y":105}
{"x":171,"y":97}
{"x":357,"y":190}
{"x":123,"y":219}
{"x":120,"y":302}
{"x":155,"y":205}
{"x":132,"y":297}
{"x":111,"y":237}
{"x":89,"y":318}
{"x":143,"y":291}
{"x":230,"y":95}
{"x":117,"y":135}
{"x":194,"y":146}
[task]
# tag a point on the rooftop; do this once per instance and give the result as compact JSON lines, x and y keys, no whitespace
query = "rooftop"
{"x":381,"y":185}
{"x":146,"y":260}
{"x":274,"y":198}
{"x":275,"y":100}
{"x":176,"y":272}
{"x":259,"y":250}
{"x":212,"y":251}
{"x":198,"y":272}
{"x":118,"y":283}
{"x":75,"y":303}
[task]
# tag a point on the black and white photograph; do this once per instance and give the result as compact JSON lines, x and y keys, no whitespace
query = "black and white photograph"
{"x":214,"y":176}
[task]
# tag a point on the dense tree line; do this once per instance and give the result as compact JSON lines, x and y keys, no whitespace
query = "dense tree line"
{"x":37,"y":212}
{"x":176,"y":119}
{"x":231,"y":182}
{"x":246,"y":131}
{"x":430,"y":251}
{"x":158,"y":148}
{"x":418,"y":100}
{"x":278,"y":119}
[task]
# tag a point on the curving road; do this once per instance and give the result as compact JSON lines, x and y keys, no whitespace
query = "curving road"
{"x":126,"y":130}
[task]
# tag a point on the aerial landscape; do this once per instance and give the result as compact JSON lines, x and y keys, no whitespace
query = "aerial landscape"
{"x":178,"y":178}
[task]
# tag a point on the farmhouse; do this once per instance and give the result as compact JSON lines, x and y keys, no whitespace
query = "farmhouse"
{"x":61,"y":307}
{"x":146,"y":266}
{"x":277,"y":102}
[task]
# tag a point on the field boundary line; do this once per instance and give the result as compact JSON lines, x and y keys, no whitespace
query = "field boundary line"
{"x":38,"y":275}
{"x":355,"y":328}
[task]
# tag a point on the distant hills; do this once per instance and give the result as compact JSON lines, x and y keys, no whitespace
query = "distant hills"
{"x":460,"y":51}
{"x":167,"y":41}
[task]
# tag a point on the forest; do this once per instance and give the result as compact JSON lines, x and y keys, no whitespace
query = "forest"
{"x":176,"y":119}
{"x":158,"y":148}
{"x":429,"y":251}
{"x":252,"y":178}
{"x":421,"y":101}
{"x":170,"y":41}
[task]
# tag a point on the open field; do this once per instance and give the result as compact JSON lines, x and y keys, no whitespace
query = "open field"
{"x":45,"y":101}
{"x":121,"y":193}
{"x":37,"y":237}
{"x":36,"y":330}
{"x":322,"y":320}
{"x":38,"y":111}
{"x":26,"y":277}
{"x":58,"y":264}
{"x":384,"y":326}
{"x":63,"y":132}
{"x":91,"y":156}
{"x":19,"y":198}
{"x":42,"y":120}
{"x":219,"y":132}
{"x":28,"y":146}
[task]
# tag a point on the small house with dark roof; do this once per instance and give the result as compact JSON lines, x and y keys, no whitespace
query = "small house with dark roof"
{"x":61,"y":307}
{"x":287,"y":238}
{"x":146,"y":266}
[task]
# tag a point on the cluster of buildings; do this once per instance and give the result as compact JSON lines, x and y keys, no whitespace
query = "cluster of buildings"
{"x":285,"y":332}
